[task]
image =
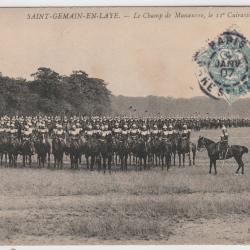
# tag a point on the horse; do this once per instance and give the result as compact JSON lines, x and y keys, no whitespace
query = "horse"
{"x":154,"y":150}
{"x":73,"y":148}
{"x":43,"y":149}
{"x":140,"y":149}
{"x":185,"y":147}
{"x":165,"y":153}
{"x":174,"y":142}
{"x":123,"y":150}
{"x":13,"y":148}
{"x":106,"y":149}
{"x":4,"y":145}
{"x":235,"y":151}
{"x":58,"y":148}
{"x":92,"y":150}
{"x":27,"y":150}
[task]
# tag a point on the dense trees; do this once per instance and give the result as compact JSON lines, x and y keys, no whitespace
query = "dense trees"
{"x":52,"y":93}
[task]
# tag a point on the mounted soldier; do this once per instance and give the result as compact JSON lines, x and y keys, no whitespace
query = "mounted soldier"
{"x":117,"y":131}
{"x":125,"y":132}
{"x":222,"y":145}
{"x":155,"y":132}
{"x":144,"y":133}
{"x":27,"y":133}
{"x":89,"y":131}
{"x":43,"y":132}
{"x":105,"y":133}
{"x":13,"y":131}
{"x":59,"y":132}
{"x":134,"y":132}
{"x":185,"y":133}
{"x":74,"y":133}
{"x":164,"y":133}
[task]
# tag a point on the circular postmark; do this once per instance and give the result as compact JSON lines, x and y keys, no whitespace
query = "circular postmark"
{"x":226,"y":64}
{"x":228,"y":68}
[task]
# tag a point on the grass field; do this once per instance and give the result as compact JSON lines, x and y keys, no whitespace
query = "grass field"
{"x":181,"y":206}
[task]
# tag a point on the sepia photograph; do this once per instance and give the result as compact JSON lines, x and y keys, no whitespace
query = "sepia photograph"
{"x":125,"y":125}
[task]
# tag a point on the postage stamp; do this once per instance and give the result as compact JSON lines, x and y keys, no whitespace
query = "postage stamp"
{"x":224,"y":66}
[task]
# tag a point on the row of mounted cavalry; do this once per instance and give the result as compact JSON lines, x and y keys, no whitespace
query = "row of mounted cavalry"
{"x":98,"y":153}
{"x":111,"y":152}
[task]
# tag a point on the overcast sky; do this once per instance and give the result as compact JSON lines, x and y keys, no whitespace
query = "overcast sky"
{"x":137,"y":57}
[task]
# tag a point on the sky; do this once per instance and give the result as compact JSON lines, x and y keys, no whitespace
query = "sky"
{"x":135,"y":56}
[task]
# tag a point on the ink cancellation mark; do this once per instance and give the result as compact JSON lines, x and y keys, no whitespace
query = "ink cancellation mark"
{"x":224,"y":67}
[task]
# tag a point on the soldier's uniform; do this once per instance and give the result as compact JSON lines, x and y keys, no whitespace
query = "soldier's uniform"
{"x":59,"y":132}
{"x":222,"y":146}
{"x":171,"y":133}
{"x":164,"y":133}
{"x":155,"y":132}
{"x":13,"y":131}
{"x":74,"y":133}
{"x":117,"y":131}
{"x":134,"y":132}
{"x":89,"y":132}
{"x":144,"y":133}
{"x":125,"y":132}
{"x":185,"y":133}
{"x":27,"y":133}
{"x":43,"y":132}
{"x":105,"y":133}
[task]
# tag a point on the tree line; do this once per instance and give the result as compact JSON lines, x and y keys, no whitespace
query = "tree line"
{"x":51,"y":93}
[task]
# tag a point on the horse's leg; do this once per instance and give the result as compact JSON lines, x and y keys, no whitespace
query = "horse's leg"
{"x":104,"y":164}
{"x":189,"y":158}
{"x":23,"y":160}
{"x":71,"y":160}
{"x":92,"y":160}
{"x":109,"y":163}
{"x":126,"y":162}
{"x":210,"y":168}
{"x":194,"y":153}
{"x":162,"y":162}
{"x":87,"y":161}
{"x":215,"y":170}
{"x":174,"y":157}
{"x":48,"y":159}
{"x":183,"y":159}
{"x":54,"y":161}
{"x":240,"y":165}
{"x":179,"y":154}
{"x":30,"y":160}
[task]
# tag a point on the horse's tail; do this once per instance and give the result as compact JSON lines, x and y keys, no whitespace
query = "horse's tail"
{"x":245,"y":149}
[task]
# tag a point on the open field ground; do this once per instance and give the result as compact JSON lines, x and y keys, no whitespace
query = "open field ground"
{"x":181,"y":206}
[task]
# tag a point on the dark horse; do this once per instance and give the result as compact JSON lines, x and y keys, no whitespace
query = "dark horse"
{"x":185,"y":147}
{"x":58,"y":148}
{"x":43,"y":149}
{"x":92,"y":151}
{"x":73,"y":148}
{"x":27,"y":150}
{"x":123,"y":150}
{"x":106,"y":148}
{"x":235,"y":151}
{"x":140,"y":149}
{"x":13,"y":149}
{"x":165,"y":153}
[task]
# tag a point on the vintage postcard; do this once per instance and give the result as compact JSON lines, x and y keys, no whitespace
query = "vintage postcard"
{"x":124,"y":125}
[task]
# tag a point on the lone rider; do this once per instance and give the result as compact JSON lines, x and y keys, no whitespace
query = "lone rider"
{"x":223,"y":144}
